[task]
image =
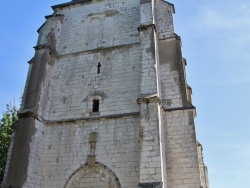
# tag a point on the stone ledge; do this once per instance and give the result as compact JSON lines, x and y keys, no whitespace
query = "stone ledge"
{"x":42,"y":46}
{"x":54,"y":16}
{"x":46,"y":47}
{"x":174,"y":36}
{"x":94,"y":113}
{"x":155,"y":99}
{"x":27,"y":115}
{"x":146,"y":27}
{"x":150,"y":185}
{"x":99,"y":49}
{"x":147,"y":100}
{"x":181,"y":108}
{"x":74,"y":120}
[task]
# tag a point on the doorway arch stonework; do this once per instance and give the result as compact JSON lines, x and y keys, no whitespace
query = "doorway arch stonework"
{"x":93,"y":176}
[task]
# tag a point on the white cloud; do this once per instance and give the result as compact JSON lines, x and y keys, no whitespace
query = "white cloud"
{"x":228,"y":30}
{"x":211,"y":19}
{"x":231,"y":16}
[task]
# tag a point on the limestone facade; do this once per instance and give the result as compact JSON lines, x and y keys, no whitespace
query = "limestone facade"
{"x":106,"y":102}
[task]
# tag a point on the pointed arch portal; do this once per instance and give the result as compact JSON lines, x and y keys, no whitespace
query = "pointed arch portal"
{"x":93,"y":176}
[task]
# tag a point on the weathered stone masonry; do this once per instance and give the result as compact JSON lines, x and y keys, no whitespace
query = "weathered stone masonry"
{"x":106,"y":102}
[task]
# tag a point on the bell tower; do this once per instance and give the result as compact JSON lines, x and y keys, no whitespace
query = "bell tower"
{"x":106,"y":103}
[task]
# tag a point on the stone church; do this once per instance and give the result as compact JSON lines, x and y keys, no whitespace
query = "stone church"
{"x":106,"y":102}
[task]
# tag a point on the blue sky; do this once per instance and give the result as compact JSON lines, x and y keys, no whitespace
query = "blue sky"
{"x":216,"y":43}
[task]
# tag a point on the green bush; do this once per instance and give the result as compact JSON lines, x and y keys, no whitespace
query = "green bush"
{"x":8,"y":119}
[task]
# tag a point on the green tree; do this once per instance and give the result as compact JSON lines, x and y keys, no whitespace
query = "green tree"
{"x":8,"y":119}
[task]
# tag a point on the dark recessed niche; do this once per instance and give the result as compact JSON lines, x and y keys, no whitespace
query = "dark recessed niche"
{"x":96,"y":104}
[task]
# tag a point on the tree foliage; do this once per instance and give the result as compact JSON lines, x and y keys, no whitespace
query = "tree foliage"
{"x":8,"y":119}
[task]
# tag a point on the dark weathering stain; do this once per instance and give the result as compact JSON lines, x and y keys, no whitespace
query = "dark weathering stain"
{"x":145,"y":1}
{"x":25,"y":127}
{"x":150,"y":185}
{"x":38,"y":73}
{"x":170,"y":53}
{"x":36,"y":78}
{"x":18,"y":168}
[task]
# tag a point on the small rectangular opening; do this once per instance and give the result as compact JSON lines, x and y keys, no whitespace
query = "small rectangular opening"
{"x":96,"y":105}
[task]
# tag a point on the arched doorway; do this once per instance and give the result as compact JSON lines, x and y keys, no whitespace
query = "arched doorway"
{"x":93,"y":176}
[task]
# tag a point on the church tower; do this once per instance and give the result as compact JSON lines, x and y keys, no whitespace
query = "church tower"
{"x":106,"y":103}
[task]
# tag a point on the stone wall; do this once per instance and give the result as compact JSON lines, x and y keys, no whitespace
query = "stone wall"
{"x":98,"y":24}
{"x":164,"y":19}
{"x":181,"y":150}
{"x":76,"y":83}
{"x":203,"y":168}
{"x":67,"y":148}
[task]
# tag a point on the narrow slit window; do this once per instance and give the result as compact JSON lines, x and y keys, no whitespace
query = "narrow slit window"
{"x":96,"y":105}
{"x":99,"y":68}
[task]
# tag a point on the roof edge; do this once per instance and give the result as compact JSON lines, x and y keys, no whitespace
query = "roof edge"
{"x":69,"y":3}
